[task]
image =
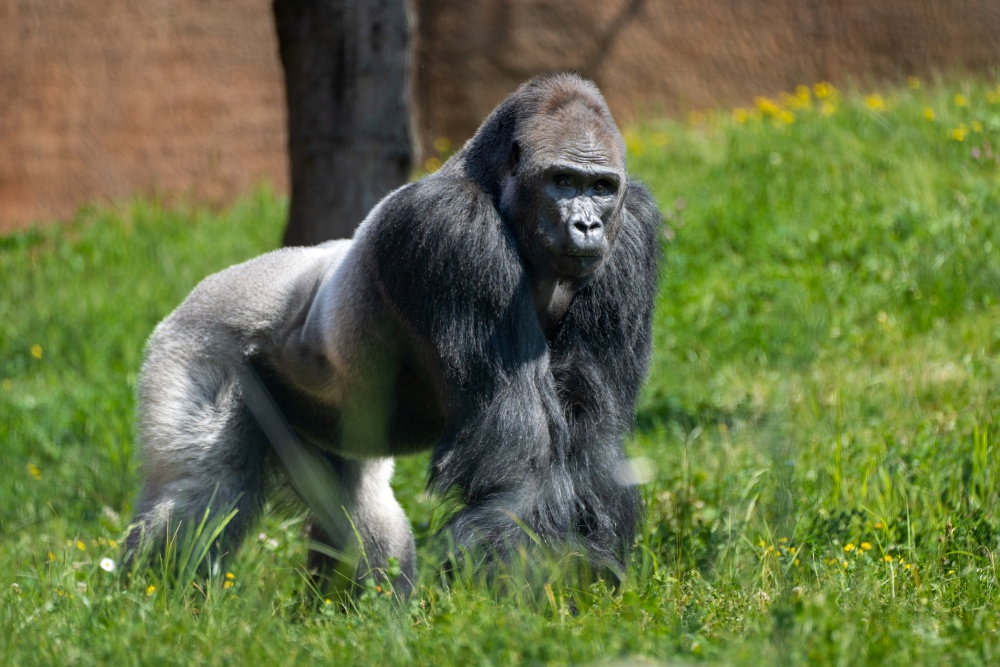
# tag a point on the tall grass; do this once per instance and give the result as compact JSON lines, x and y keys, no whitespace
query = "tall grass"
{"x":821,"y":420}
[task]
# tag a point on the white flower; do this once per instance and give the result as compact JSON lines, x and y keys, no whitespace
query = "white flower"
{"x":107,"y":565}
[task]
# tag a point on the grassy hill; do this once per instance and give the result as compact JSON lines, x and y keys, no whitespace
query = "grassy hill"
{"x":819,"y":427}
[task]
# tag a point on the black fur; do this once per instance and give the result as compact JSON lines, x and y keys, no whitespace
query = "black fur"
{"x":520,"y":367}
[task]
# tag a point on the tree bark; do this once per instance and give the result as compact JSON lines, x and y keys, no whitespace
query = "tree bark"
{"x":347,"y":87}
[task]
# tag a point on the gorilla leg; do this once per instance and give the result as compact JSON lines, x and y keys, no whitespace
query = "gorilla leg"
{"x":203,"y":453}
{"x":375,"y":518}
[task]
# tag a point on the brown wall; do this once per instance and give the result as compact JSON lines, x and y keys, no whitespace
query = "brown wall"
{"x":655,"y":56}
{"x":103,"y":99}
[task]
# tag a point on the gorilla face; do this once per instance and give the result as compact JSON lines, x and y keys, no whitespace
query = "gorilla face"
{"x":565,"y":189}
{"x":577,"y":209}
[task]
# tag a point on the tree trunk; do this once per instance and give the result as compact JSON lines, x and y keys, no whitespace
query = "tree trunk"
{"x":347,"y":87}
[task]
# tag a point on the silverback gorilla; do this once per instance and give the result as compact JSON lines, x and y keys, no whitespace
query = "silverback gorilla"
{"x":497,"y":312}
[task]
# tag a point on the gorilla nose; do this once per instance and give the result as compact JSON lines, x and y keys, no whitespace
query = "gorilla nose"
{"x":586,"y":233}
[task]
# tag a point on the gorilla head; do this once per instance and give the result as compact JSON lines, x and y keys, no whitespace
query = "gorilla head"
{"x":563,"y":186}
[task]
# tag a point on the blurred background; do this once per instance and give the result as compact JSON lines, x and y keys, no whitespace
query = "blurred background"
{"x":102,"y":100}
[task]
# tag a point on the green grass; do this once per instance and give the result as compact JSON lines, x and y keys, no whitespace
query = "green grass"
{"x":820,"y":423}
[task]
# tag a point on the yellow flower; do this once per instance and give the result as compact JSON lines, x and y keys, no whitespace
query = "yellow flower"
{"x":878,"y":524}
{"x":786,"y":117}
{"x":928,"y":113}
{"x":150,"y":589}
{"x":827,"y":108}
{"x":227,"y":584}
{"x":767,"y":106}
{"x":913,"y":82}
{"x":230,"y":576}
{"x":800,"y":99}
{"x":849,"y":548}
{"x":875,"y":102}
{"x":803,"y":96}
{"x":80,"y":545}
{"x":633,"y":143}
{"x":976,"y":126}
{"x":959,"y":133}
{"x":34,"y":471}
{"x":960,"y":100}
{"x":823,"y":90}
{"x":52,"y":556}
{"x":740,"y":115}
{"x":36,"y":351}
{"x":442,"y":144}
{"x":887,"y":558}
{"x":866,"y":545}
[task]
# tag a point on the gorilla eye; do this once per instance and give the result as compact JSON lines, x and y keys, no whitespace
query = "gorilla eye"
{"x":602,"y":187}
{"x":563,"y":181}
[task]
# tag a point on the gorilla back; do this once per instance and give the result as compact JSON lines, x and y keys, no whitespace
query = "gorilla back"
{"x":497,"y":311}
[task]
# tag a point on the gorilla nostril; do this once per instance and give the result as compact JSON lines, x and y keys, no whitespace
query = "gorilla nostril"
{"x":586,"y":227}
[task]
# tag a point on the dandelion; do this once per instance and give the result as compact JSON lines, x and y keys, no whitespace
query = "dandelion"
{"x":827,"y":108}
{"x":976,"y":126}
{"x":959,"y":133}
{"x":786,"y":117}
{"x":887,"y":558}
{"x":928,"y":113}
{"x":802,"y":96}
{"x":442,"y":144}
{"x":875,"y":102}
{"x":230,"y":578}
{"x":849,"y":547}
{"x":633,"y":143}
{"x":866,"y":545}
{"x":878,"y":524}
{"x":913,"y":82}
{"x":823,"y":90}
{"x":80,"y":545}
{"x":150,"y":589}
{"x":36,"y":351}
{"x":740,"y":115}
{"x":51,"y":556}
{"x":107,"y":565}
{"x":767,"y":106}
{"x":34,"y":471}
{"x":796,"y":101}
{"x":960,"y":100}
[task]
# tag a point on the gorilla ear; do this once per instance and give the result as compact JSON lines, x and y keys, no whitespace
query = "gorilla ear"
{"x":515,"y":158}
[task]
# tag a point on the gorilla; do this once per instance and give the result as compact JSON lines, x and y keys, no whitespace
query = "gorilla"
{"x":496,"y":312}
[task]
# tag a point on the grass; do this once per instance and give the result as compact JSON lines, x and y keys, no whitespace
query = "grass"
{"x":820,"y":423}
